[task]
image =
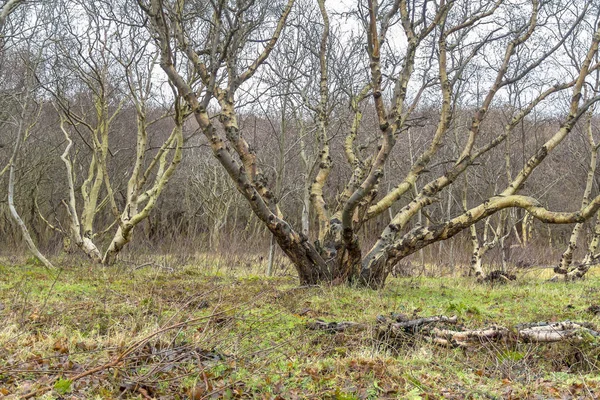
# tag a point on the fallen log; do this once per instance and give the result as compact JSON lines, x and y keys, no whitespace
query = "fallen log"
{"x":465,"y":338}
{"x":555,"y":325}
{"x":557,"y":332}
{"x":493,"y":332}
{"x":431,"y":328}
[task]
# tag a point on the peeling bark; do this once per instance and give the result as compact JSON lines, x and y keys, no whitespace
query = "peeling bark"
{"x":324,"y":164}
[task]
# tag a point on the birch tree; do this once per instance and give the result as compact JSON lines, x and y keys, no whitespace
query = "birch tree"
{"x":113,"y":63}
{"x":23,"y":97}
{"x":7,"y":8}
{"x":565,"y":267}
{"x":26,"y":119}
{"x":211,"y":52}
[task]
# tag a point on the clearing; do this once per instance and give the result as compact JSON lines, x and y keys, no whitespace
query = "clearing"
{"x":199,"y":332}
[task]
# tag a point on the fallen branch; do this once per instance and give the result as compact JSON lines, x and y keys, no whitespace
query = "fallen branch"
{"x":556,"y":332}
{"x":429,"y":328}
{"x":555,"y":325}
{"x":415,"y":325}
{"x":335,"y":326}
{"x":153,"y":264}
{"x":464,"y":338}
{"x":499,"y":277}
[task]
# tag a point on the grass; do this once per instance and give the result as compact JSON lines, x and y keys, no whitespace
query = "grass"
{"x":237,"y":334}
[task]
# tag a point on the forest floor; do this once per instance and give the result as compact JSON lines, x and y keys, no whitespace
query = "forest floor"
{"x":197,"y":332}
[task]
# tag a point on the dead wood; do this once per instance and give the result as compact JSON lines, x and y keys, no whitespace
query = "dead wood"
{"x":431,"y":329}
{"x":556,"y":332}
{"x":464,"y":338}
{"x":412,"y":326}
{"x":320,"y":325}
{"x":499,"y":277}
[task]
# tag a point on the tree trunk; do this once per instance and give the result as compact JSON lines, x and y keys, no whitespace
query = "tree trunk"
{"x":337,"y":255}
{"x":564,"y":267}
{"x":306,"y":212}
{"x":11,"y":197}
{"x":505,"y":250}
{"x":121,"y":238}
{"x":271,"y":256}
{"x":476,"y":269}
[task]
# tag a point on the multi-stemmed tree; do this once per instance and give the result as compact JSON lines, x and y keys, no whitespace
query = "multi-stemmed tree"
{"x":415,"y":52}
{"x":109,"y":67}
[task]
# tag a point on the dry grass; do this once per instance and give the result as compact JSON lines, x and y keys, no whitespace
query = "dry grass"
{"x":201,"y":331}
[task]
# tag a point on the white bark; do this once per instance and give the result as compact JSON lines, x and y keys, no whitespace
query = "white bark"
{"x":271,"y":260}
{"x":21,"y":132}
{"x":140,"y":204}
{"x":83,"y":241}
{"x":566,"y":259}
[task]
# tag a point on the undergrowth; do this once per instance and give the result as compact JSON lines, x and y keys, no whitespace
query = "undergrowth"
{"x":194,"y":332}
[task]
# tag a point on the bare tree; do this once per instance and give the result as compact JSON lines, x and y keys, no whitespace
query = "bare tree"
{"x":565,"y":267}
{"x":211,"y":62}
{"x":112,"y":62}
{"x":24,"y":124}
{"x":27,"y":114}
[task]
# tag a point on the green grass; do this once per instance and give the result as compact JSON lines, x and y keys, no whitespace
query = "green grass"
{"x":243,"y":335}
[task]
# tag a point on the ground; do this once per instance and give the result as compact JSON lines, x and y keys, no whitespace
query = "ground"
{"x":195,"y":331}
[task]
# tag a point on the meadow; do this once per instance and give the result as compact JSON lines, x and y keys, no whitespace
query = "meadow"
{"x":209,"y":330}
